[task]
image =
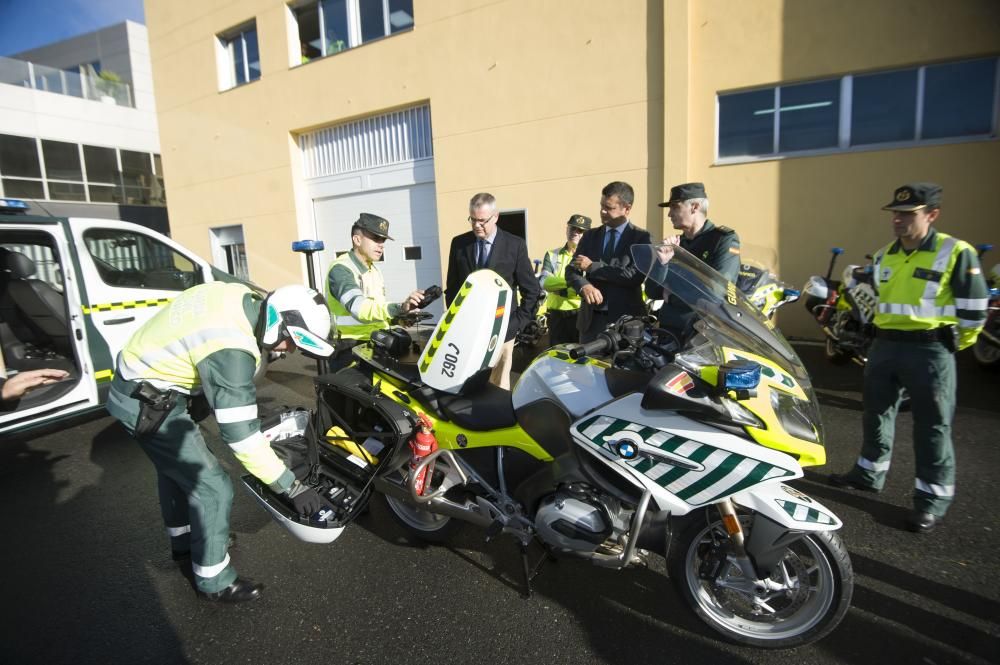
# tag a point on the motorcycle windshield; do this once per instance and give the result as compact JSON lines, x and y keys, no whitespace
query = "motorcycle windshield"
{"x":726,"y":320}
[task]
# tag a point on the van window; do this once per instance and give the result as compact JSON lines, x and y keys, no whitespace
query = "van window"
{"x":135,"y":260}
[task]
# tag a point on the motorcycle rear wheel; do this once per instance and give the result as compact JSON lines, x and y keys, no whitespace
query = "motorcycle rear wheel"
{"x":421,"y":524}
{"x":815,"y":572}
{"x":986,"y":353}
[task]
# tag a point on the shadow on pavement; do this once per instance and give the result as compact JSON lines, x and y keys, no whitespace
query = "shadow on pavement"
{"x":75,"y":588}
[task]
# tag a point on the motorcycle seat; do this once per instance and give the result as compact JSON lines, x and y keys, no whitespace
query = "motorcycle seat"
{"x":485,"y":409}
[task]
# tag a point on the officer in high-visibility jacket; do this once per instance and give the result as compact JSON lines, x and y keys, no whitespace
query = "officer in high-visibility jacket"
{"x":355,"y":290}
{"x":932,"y":303}
{"x":206,"y":346}
{"x":562,"y":303}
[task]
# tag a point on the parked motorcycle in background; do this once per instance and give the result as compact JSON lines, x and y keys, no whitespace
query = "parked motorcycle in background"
{"x":759,"y":281}
{"x":987,"y":347}
{"x":844,"y":308}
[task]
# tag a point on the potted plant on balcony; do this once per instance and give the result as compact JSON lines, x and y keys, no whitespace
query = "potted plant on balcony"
{"x":107,"y":84}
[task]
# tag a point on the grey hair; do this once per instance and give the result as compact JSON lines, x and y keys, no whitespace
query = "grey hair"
{"x":702,"y":204}
{"x":482,"y":199}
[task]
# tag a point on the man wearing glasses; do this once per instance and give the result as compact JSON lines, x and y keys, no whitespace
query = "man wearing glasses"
{"x":487,"y":246}
{"x":602,"y":271}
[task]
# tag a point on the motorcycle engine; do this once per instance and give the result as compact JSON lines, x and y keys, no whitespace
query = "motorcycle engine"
{"x":577,"y":518}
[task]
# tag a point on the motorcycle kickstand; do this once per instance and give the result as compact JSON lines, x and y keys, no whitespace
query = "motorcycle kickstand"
{"x":530,"y":572}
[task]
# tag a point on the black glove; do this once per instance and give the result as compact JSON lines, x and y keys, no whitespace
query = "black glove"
{"x":304,"y":498}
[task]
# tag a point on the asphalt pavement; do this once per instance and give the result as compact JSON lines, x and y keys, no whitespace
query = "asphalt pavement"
{"x":87,"y":575}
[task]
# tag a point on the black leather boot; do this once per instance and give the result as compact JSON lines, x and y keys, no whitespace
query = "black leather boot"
{"x":240,"y":591}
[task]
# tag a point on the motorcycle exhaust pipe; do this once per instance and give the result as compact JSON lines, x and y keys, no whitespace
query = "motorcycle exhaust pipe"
{"x":438,"y":504}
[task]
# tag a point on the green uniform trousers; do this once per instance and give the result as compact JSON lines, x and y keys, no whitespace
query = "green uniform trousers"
{"x":927,"y":371}
{"x":195,"y":491}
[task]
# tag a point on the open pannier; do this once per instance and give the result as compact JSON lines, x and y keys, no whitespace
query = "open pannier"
{"x":337,"y":450}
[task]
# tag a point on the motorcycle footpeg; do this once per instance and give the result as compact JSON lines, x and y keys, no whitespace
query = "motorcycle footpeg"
{"x":494,"y":529}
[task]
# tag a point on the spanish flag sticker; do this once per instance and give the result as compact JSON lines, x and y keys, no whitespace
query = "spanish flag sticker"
{"x":500,"y":311}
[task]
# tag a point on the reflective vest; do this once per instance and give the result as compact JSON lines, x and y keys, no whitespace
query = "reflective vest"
{"x":200,"y":321}
{"x":362,"y":308}
{"x":553,"y":280}
{"x":914,"y":290}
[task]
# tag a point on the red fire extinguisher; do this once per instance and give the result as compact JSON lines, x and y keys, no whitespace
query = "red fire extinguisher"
{"x":422,"y":444}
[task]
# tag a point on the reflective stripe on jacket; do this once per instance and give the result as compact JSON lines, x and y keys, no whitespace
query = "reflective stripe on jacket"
{"x":553,"y":280}
{"x":938,"y":284}
{"x":200,"y":321}
{"x":355,"y":295}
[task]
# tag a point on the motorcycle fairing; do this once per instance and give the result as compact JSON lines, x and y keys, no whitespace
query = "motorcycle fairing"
{"x":468,"y":337}
{"x":576,"y":387}
{"x":789,"y":507}
{"x":691,"y":464}
{"x":774,"y":435}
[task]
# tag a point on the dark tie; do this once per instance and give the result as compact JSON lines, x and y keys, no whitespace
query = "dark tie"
{"x":609,"y":246}
{"x":483,"y":254}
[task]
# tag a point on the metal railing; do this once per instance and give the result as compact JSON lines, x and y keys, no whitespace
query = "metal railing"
{"x":63,"y":82}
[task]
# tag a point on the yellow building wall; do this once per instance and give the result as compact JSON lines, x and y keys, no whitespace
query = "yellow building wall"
{"x":540,"y":103}
{"x":803,"y":206}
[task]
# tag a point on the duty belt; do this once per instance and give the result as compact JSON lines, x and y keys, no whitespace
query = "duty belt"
{"x":942,"y":334}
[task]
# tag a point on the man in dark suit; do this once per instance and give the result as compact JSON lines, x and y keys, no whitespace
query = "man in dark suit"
{"x":602,"y":271}
{"x":486,"y":246}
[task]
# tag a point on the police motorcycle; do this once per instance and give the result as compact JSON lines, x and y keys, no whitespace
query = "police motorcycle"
{"x":758,"y":280}
{"x":679,"y":452}
{"x":986,"y":350}
{"x":844,"y":309}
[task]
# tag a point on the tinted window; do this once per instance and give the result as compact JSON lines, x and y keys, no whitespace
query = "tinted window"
{"x":884,"y":107}
{"x":809,"y":115}
{"x":126,"y":258}
{"x":253,"y":54}
{"x":400,"y":15}
{"x":372,"y":19}
{"x":746,"y":123}
{"x":23,"y":189}
{"x":958,"y":99}
{"x":335,"y":23}
{"x":102,"y":165}
{"x":19,"y":157}
{"x":62,"y":160}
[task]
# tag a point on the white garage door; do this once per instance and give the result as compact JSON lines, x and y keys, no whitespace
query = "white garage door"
{"x":382,"y":165}
{"x":411,"y":260}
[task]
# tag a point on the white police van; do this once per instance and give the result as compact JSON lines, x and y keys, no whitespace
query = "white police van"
{"x":72,"y":292}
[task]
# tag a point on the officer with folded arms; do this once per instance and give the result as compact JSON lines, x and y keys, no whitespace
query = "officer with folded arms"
{"x":207,"y":345}
{"x":932,"y":302}
{"x":562,"y":303}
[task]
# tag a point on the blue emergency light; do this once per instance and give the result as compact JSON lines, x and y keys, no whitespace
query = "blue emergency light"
{"x":307,"y":246}
{"x":739,"y":375}
{"x":13,"y":206}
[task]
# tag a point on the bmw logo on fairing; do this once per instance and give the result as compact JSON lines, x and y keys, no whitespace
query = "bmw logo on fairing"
{"x":626,"y":449}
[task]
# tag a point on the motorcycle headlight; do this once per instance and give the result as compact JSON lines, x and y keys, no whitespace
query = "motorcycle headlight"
{"x":793,"y":417}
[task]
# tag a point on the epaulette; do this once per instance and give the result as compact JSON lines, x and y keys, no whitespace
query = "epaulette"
{"x":725,"y":230}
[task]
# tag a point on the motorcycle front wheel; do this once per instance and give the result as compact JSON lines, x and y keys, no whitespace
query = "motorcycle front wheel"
{"x":987,"y":353}
{"x":805,"y":597}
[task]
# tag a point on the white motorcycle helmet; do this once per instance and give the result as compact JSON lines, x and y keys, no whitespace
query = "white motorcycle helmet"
{"x":297,"y":313}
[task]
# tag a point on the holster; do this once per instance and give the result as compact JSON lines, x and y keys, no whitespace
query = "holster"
{"x":154,"y":406}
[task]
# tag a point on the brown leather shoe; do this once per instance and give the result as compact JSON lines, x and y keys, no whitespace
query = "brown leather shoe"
{"x":240,"y":591}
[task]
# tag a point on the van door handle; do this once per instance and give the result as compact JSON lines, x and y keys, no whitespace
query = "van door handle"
{"x":115,"y":322}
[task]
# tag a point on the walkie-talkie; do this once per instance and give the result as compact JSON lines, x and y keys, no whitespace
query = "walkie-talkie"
{"x":431,"y":293}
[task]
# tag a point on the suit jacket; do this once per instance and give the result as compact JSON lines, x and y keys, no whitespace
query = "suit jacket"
{"x":618,"y":280}
{"x":509,"y":259}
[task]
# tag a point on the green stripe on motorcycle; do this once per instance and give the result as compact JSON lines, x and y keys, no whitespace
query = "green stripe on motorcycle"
{"x":758,"y":473}
{"x":699,"y":455}
{"x":712,"y":477}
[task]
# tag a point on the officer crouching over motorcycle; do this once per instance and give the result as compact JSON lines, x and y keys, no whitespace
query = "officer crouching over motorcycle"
{"x":932,"y":302}
{"x":208,"y":341}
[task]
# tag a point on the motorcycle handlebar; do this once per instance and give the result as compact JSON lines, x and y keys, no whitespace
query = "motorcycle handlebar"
{"x":602,"y":345}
